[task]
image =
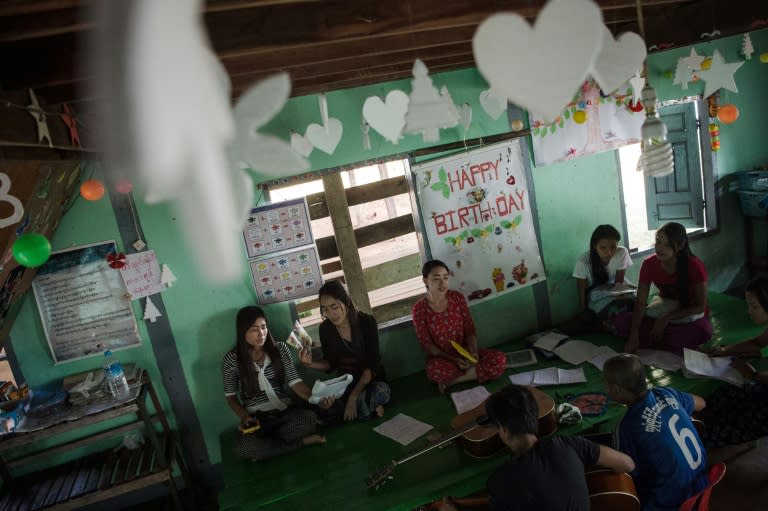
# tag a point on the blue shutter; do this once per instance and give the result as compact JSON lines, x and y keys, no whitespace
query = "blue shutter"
{"x":678,"y":197}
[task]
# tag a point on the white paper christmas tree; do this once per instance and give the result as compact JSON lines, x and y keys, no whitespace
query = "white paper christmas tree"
{"x":746,"y":47}
{"x":150,"y":311}
{"x":428,"y":110}
{"x":167,"y":278}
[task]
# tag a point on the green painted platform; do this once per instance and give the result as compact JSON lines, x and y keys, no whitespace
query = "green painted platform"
{"x":332,"y":476}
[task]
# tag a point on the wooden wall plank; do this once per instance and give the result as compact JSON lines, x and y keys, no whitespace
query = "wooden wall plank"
{"x":392,"y":272}
{"x":368,"y":235}
{"x":359,"y":195}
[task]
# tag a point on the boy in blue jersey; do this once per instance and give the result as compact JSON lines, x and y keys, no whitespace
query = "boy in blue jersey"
{"x":657,"y":432}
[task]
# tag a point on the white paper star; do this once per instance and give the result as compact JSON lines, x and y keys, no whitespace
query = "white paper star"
{"x":637,"y":82}
{"x":37,"y":112}
{"x":719,"y":74}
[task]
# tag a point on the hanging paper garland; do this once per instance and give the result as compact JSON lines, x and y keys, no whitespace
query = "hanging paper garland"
{"x":714,"y":135}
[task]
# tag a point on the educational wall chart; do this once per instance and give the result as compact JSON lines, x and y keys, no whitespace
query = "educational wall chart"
{"x":277,"y":227}
{"x":477,"y":218}
{"x":589,"y":124}
{"x":83,"y":304}
{"x":286,"y":276}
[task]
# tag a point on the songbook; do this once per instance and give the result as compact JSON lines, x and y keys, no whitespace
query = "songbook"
{"x":549,"y":376}
{"x":697,"y":364}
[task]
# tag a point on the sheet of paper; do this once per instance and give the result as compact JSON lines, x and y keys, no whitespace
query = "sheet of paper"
{"x":546,"y":376}
{"x":714,"y":367}
{"x":549,"y":340}
{"x":621,"y":289}
{"x":661,"y":359}
{"x":576,"y":352}
{"x":402,"y":428}
{"x":525,"y":378}
{"x":566,"y":376}
{"x":602,"y":354}
{"x":470,"y":398}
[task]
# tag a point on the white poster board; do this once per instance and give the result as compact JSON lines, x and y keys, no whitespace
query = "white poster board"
{"x":83,"y":303}
{"x":477,"y":219}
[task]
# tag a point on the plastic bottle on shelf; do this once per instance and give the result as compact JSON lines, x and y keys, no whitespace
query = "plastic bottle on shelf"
{"x":113,"y":373}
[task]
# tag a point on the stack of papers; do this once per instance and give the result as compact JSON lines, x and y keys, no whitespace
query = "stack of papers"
{"x":577,"y":352}
{"x":468,"y":399}
{"x":402,"y":428}
{"x":549,"y":376}
{"x":697,"y":364}
{"x":661,"y":359}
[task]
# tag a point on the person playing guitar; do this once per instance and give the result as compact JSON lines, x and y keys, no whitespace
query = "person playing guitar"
{"x":525,"y":481}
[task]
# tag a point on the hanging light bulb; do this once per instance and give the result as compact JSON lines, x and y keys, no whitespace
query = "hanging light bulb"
{"x":656,"y":158}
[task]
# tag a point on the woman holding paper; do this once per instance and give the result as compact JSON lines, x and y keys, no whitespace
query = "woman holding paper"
{"x":740,"y":414}
{"x":255,"y":374}
{"x":445,"y":330}
{"x":678,"y":318}
{"x":350,"y":341}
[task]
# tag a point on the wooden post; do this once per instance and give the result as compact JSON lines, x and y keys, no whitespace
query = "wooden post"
{"x":336,"y":198}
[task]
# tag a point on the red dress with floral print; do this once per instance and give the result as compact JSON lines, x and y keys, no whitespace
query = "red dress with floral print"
{"x":453,"y":324}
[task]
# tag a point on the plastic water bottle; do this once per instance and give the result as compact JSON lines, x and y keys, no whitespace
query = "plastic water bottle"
{"x":113,"y":372}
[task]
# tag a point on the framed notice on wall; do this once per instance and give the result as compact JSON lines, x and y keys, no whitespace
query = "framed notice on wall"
{"x":83,"y":303}
{"x":477,"y":219}
{"x":277,"y":227}
{"x":287,"y":276}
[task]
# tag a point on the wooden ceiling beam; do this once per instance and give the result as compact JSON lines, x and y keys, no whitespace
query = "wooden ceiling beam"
{"x":37,"y":26}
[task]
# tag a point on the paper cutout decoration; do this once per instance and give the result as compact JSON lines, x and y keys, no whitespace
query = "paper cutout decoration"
{"x":465,"y":116}
{"x":170,"y":122}
{"x":493,"y":102}
{"x":150,"y":311}
{"x":264,"y":153}
{"x":116,"y":260}
{"x":637,"y":83}
{"x":37,"y":113}
{"x":746,"y":47}
{"x":719,"y":75}
{"x":388,"y":116}
{"x":327,"y":136}
{"x":18,"y":208}
{"x":540,"y":68}
{"x":301,"y":144}
{"x":71,"y":122}
{"x":429,"y":110}
{"x":167,"y":278}
{"x":686,"y":68}
{"x":366,"y":128}
{"x":618,"y":60}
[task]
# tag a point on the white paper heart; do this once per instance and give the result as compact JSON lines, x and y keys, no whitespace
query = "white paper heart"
{"x":618,"y":60}
{"x":540,"y":68}
{"x":388,"y":116}
{"x":465,"y":116}
{"x":493,"y":103}
{"x":301,"y":145}
{"x":325,"y":138}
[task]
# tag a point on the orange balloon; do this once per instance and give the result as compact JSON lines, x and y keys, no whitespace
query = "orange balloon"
{"x":92,"y":190}
{"x":728,"y":114}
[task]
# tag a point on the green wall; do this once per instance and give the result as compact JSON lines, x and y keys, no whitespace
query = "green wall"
{"x":572,"y":198}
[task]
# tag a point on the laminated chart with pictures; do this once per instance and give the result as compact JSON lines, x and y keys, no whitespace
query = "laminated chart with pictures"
{"x":286,"y":276}
{"x":277,"y":227}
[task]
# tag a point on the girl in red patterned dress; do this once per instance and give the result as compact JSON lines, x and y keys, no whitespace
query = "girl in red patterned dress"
{"x":443,"y":316}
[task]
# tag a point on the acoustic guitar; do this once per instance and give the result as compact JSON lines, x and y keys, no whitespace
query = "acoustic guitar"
{"x":477,"y":437}
{"x":608,"y":491}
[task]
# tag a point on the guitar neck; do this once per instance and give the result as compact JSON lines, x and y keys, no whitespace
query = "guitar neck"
{"x":444,"y":439}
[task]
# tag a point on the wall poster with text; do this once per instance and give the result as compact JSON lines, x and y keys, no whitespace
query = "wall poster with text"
{"x":477,"y":219}
{"x":83,"y":303}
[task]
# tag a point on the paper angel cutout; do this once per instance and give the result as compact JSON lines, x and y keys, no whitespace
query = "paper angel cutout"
{"x":71,"y":122}
{"x":167,"y":278}
{"x":150,"y":311}
{"x":429,"y":110}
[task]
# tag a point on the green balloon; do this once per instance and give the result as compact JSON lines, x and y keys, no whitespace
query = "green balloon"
{"x":31,"y":250}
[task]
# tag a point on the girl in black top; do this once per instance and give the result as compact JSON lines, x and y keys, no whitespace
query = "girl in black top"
{"x":350,"y":342}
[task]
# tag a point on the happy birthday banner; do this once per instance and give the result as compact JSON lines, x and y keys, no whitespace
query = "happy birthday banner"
{"x":477,"y":219}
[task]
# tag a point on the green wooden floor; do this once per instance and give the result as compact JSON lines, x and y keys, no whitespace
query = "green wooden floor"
{"x":332,"y":476}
